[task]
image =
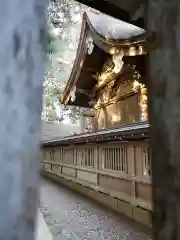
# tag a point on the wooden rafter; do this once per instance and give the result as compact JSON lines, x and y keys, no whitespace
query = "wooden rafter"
{"x":85,"y":92}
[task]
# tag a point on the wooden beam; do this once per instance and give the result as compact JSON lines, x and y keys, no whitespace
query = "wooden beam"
{"x":85,"y":92}
{"x":90,"y":70}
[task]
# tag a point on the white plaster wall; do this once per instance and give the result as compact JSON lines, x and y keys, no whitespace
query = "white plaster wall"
{"x":51,"y":130}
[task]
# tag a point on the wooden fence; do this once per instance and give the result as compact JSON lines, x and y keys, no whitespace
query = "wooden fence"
{"x":122,"y":170}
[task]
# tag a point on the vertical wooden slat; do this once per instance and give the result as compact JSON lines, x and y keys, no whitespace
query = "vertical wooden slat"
{"x":81,"y":157}
{"x":126,"y":153}
{"x":122,"y":160}
{"x":103,"y":159}
{"x":75,"y":156}
{"x":93,"y":155}
{"x":77,"y":159}
{"x":61,"y":155}
{"x":92,"y":158}
{"x":110,"y":157}
{"x":118,"y":160}
{"x":114,"y":158}
{"x":112,"y":152}
{"x":113,"y":163}
{"x":107,"y":158}
{"x":142,"y":160}
{"x":96,"y":158}
{"x":133,"y":172}
{"x":89,"y":156}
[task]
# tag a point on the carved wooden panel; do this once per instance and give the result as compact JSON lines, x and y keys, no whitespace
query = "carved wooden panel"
{"x":122,"y":88}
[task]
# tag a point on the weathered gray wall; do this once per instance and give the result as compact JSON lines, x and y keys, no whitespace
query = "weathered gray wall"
{"x":164,"y":108}
{"x":50,"y":130}
{"x":21,"y":80}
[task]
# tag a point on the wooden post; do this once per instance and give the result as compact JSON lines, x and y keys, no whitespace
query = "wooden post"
{"x":163,"y":21}
{"x":21,"y":80}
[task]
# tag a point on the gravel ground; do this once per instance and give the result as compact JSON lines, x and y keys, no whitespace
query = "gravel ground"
{"x":73,"y":217}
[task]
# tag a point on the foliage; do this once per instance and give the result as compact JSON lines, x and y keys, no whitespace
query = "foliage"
{"x":63,"y":29}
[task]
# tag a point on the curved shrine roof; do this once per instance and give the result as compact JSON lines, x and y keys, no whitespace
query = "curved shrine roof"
{"x":108,"y":34}
{"x":113,"y":28}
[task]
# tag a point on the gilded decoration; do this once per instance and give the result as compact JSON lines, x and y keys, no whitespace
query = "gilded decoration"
{"x":129,"y":50}
{"x":106,"y":73}
{"x":143,"y":102}
{"x":122,"y":101}
{"x":121,"y":87}
{"x":110,"y":70}
{"x":143,"y":99}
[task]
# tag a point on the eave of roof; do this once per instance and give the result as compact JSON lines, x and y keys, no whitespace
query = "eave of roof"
{"x":77,"y":63}
{"x":111,"y":27}
{"x":112,"y":44}
{"x":118,"y":12}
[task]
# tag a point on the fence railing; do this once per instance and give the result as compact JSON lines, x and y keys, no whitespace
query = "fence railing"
{"x":121,"y":170}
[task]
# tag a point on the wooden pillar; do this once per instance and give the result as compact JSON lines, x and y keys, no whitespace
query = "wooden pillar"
{"x":21,"y":81}
{"x":163,"y":21}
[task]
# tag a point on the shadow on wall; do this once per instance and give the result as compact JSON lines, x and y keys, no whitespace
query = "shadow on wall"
{"x":50,"y":130}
